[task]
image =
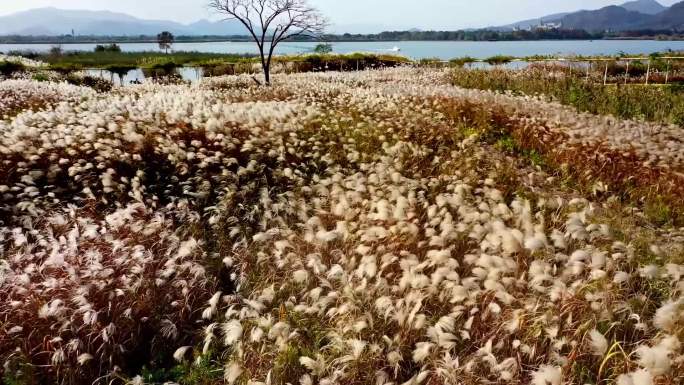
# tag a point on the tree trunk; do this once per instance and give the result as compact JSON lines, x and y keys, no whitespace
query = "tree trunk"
{"x":265,"y":67}
{"x":267,"y":74}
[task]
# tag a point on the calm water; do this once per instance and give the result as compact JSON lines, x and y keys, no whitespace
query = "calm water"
{"x":187,"y":73}
{"x":413,"y":49}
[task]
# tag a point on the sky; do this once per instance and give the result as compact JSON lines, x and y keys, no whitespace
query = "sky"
{"x":424,"y":14}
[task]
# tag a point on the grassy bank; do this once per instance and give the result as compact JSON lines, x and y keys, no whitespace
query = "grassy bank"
{"x":663,"y":103}
{"x":105,"y":59}
{"x":200,"y":59}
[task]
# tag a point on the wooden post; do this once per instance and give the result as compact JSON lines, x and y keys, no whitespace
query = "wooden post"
{"x":605,"y":75}
{"x":588,"y":69}
{"x":648,"y":70}
{"x":667,"y":72}
{"x":627,"y":72}
{"x":571,"y":68}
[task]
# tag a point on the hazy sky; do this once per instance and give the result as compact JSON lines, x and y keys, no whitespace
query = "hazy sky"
{"x":437,"y":14}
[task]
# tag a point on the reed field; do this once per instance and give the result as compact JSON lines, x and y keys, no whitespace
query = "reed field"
{"x":625,"y":95}
{"x":400,"y":226}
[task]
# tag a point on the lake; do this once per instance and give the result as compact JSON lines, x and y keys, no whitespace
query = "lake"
{"x":414,"y":49}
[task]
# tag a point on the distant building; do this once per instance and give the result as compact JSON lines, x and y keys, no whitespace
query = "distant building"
{"x":548,"y":26}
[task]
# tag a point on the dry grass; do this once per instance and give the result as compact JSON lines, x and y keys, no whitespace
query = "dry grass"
{"x":664,"y":103}
{"x":376,"y":227}
{"x":17,"y":96}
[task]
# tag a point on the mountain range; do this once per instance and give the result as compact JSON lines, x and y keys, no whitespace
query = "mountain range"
{"x":633,"y":15}
{"x":53,"y":21}
{"x":648,"y":7}
{"x":620,"y":19}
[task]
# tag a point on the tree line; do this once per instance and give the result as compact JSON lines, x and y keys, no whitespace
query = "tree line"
{"x":470,"y":35}
{"x":494,"y":35}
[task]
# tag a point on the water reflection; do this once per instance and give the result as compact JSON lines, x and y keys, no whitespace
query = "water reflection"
{"x":189,"y":74}
{"x":195,"y":74}
{"x":414,"y":49}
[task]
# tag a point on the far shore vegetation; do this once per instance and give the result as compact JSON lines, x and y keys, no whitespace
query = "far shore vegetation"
{"x":478,"y":35}
{"x":664,"y":103}
{"x":108,"y":59}
{"x":105,"y":56}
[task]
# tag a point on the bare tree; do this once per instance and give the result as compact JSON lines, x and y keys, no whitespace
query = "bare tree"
{"x":270,"y":22}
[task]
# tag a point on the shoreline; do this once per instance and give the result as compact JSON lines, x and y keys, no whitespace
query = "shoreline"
{"x":154,"y":41}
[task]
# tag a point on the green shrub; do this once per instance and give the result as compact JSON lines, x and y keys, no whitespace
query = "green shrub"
{"x":499,"y":60}
{"x":658,"y":211}
{"x":65,"y":68}
{"x":160,"y":69}
{"x":40,"y":77}
{"x":335,"y":62}
{"x":461,"y":61}
{"x":323,"y":48}
{"x":430,"y":60}
{"x":164,"y":68}
{"x":108,"y":48}
{"x":8,"y":68}
{"x":98,"y":84}
{"x":56,"y":51}
{"x":120,"y":70}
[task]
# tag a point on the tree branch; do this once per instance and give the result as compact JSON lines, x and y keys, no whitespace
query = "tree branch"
{"x":292,"y":18}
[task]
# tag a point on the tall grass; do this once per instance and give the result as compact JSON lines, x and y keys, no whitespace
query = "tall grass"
{"x":306,"y":63}
{"x":652,"y":103}
{"x":104,"y":59}
{"x":375,"y":227}
{"x":7,"y":68}
{"x":201,"y":59}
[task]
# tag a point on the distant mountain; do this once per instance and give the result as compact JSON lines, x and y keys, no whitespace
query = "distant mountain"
{"x":631,"y":14}
{"x":206,"y":27}
{"x":620,"y":19}
{"x":671,"y":18}
{"x":53,"y":21}
{"x":364,"y":29}
{"x":531,"y":23}
{"x":648,"y":7}
{"x":609,"y":18}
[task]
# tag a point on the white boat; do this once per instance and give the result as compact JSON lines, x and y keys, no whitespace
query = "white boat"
{"x":395,"y":49}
